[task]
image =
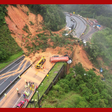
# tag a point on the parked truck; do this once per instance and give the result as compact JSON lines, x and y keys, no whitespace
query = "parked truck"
{"x":64,"y":58}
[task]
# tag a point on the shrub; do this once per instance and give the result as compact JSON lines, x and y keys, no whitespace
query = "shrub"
{"x":31,"y":23}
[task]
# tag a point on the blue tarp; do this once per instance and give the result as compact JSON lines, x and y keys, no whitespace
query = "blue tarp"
{"x":99,"y":25}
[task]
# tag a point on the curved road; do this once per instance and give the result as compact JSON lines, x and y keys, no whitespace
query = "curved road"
{"x":87,"y":36}
{"x":7,"y":79}
{"x":69,"y":23}
{"x":81,"y":26}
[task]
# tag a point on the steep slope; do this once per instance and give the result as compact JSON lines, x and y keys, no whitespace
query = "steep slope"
{"x":17,"y":18}
{"x":81,"y":56}
{"x":20,"y":16}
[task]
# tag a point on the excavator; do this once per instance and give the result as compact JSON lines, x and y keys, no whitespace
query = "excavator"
{"x":40,"y":63}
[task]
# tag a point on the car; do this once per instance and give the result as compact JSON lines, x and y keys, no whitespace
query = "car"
{"x":73,"y":20}
{"x":93,"y":26}
{"x":70,"y":14}
{"x":20,"y":104}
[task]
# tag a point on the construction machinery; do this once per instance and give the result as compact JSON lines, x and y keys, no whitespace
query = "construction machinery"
{"x":40,"y":63}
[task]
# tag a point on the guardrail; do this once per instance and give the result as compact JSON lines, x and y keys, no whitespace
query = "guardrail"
{"x":75,"y":25}
{"x":84,"y":21}
{"x":50,"y":85}
{"x":12,"y":63}
{"x":81,"y":18}
{"x":38,"y":87}
{"x":19,"y":59}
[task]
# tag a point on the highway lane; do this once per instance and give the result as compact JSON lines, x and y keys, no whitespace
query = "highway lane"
{"x":13,"y":66}
{"x":6,"y":69}
{"x":6,"y":82}
{"x":10,"y":79}
{"x":12,"y":69}
{"x":89,"y":34}
{"x":69,"y":23}
{"x":81,"y":26}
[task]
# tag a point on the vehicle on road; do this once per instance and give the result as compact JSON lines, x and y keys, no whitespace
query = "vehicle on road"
{"x":94,"y":26}
{"x":40,"y":63}
{"x":20,"y":104}
{"x":70,"y":14}
{"x":64,"y":58}
{"x":72,"y":19}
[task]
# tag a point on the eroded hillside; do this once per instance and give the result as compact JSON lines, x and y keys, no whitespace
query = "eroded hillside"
{"x":27,"y":29}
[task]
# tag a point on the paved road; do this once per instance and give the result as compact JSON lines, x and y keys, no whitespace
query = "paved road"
{"x":11,"y":65}
{"x":81,"y":26}
{"x":6,"y":82}
{"x":89,"y":34}
{"x":69,"y":22}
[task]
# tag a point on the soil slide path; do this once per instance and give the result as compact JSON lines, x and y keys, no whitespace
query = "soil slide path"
{"x":17,"y":18}
{"x":80,"y":55}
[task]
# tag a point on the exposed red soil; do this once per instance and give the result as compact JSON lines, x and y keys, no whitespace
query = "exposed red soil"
{"x":17,"y":18}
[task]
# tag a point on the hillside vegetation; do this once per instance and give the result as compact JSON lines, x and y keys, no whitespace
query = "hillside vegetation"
{"x":8,"y":46}
{"x":53,"y":16}
{"x":101,"y":47}
{"x":82,"y":88}
{"x":54,"y":19}
{"x":103,"y":13}
{"x":79,"y":88}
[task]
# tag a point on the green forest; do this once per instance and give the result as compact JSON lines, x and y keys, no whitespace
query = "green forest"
{"x":101,"y":46}
{"x":54,"y":18}
{"x":8,"y":46}
{"x":82,"y":88}
{"x":103,"y":13}
{"x":79,"y":89}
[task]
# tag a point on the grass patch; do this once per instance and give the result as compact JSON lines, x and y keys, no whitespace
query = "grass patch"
{"x":31,"y":23}
{"x":87,"y":29}
{"x":47,"y":81}
{"x":10,"y":60}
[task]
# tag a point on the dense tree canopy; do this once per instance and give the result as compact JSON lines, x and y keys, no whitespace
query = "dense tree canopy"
{"x":53,"y":16}
{"x":3,"y":13}
{"x":89,"y":10}
{"x":103,"y":13}
{"x":86,"y":89}
{"x":8,"y":46}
